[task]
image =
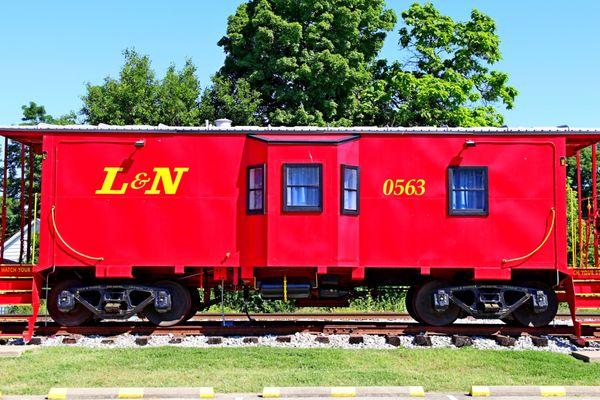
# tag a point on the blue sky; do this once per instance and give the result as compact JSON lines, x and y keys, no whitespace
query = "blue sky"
{"x":50,"y":49}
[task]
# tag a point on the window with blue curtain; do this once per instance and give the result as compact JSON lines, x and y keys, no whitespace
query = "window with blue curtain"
{"x":256,"y":189}
{"x":468,"y":191}
{"x":302,"y":189}
{"x":350,"y":190}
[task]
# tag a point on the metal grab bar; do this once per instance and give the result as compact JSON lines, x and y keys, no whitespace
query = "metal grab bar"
{"x":508,"y":260}
{"x":66,"y":244}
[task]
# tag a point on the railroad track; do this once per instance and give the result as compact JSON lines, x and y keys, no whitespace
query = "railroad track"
{"x":287,"y":324}
{"x":361,"y":316}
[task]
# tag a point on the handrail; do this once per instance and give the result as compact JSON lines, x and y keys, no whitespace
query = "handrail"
{"x":66,"y":244}
{"x":508,"y":260}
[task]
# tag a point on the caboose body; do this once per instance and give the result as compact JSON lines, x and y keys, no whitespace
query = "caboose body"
{"x":135,"y":219}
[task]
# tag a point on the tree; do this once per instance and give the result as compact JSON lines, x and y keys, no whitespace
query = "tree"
{"x":32,"y":114}
{"x":586,"y":172}
{"x":236,"y":101}
{"x":446,"y":79}
{"x":137,"y":97}
{"x":308,"y":62}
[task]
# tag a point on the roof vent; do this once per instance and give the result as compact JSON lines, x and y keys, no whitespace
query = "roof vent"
{"x":223,"y":123}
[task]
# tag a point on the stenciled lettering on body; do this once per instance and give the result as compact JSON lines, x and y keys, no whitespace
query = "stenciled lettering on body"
{"x":162,"y":180}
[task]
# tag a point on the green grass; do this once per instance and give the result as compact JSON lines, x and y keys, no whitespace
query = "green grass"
{"x":249,"y":369}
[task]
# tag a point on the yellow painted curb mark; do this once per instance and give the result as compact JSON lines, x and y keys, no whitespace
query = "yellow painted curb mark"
{"x":131,"y":393}
{"x":271,"y":392}
{"x":479,"y":391}
{"x":416,"y":391}
{"x":552,"y":391}
{"x":206,"y":393}
{"x":57,"y":394}
{"x":343,"y":391}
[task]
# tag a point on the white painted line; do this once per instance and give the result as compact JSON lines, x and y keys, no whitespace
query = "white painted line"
{"x":452,"y":397}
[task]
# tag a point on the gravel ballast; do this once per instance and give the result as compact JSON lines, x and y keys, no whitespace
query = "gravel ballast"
{"x":306,"y":340}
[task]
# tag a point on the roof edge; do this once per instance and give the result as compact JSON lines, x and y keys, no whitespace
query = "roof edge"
{"x":103,"y":128}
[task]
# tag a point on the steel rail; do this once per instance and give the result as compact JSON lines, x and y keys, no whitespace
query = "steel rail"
{"x":285,"y":324}
{"x":278,"y":328}
{"x":295,"y":316}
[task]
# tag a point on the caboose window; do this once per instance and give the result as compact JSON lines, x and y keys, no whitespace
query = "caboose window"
{"x":256,"y":189}
{"x":468,"y":190}
{"x":350,"y":182}
{"x":302,"y":187}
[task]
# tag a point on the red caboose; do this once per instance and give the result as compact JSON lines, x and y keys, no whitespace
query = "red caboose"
{"x":135,"y":219}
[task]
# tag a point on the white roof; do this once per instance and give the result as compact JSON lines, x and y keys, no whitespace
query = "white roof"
{"x":554,"y":130}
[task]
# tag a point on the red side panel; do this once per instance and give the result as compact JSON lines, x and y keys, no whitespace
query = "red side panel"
{"x":180,"y":200}
{"x":417,"y":230}
{"x":172,"y":202}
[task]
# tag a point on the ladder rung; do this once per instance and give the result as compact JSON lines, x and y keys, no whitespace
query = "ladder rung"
{"x":2,"y":277}
{"x":8,"y":299}
{"x":589,"y":295}
{"x":14,"y":284}
{"x":590,"y":323}
{"x":14,"y":291}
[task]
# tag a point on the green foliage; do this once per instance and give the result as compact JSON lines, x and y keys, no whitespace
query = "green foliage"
{"x":446,"y":80}
{"x":234,"y":301}
{"x":578,"y":252}
{"x":315,"y":63}
{"x":309,"y":61}
{"x":137,"y":97}
{"x":390,"y":299}
{"x":32,"y":114}
{"x":238,"y":102}
{"x":586,"y":172}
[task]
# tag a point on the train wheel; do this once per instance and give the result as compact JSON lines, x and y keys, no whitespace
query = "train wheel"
{"x":195,"y":303}
{"x":526,"y":315}
{"x":409,"y":299}
{"x":424,"y":306}
{"x":79,"y":315}
{"x":180,"y":305}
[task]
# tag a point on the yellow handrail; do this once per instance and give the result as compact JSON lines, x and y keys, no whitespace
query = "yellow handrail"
{"x":508,"y":260}
{"x":66,"y":244}
{"x":34,"y":222}
{"x":572,"y":210}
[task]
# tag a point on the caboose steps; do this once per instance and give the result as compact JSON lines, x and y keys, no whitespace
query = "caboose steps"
{"x":18,"y":288}
{"x":15,"y":291}
{"x":584,"y":287}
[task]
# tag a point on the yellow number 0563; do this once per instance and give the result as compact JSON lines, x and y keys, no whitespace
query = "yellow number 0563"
{"x":402,"y":187}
